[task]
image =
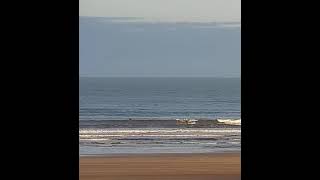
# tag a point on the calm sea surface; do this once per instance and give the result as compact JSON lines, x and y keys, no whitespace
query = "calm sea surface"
{"x":123,"y":98}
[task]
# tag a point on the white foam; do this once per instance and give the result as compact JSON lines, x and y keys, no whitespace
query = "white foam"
{"x":110,"y":131}
{"x":230,"y":121}
{"x":151,"y":135}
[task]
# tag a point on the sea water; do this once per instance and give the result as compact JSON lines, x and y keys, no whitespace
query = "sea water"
{"x":145,"y":115}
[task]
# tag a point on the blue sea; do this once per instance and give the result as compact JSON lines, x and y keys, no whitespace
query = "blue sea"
{"x":146,"y":115}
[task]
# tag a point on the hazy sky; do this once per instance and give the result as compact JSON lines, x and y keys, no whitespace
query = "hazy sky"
{"x":164,"y":10}
{"x":159,"y":46}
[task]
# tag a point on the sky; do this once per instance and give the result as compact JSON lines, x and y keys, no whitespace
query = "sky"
{"x":164,"y":10}
{"x":160,"y":38}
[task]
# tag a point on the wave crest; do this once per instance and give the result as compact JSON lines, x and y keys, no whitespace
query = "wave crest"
{"x":230,"y":121}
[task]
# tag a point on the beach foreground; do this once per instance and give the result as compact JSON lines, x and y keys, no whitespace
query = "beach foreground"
{"x":213,"y":166}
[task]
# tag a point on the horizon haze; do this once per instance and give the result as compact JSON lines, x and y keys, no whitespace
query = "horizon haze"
{"x":133,"y":47}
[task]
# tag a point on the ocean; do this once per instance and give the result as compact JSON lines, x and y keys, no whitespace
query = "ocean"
{"x":159,"y":115}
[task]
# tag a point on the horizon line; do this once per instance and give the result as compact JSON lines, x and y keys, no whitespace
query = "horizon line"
{"x":159,"y":76}
{"x":155,"y":20}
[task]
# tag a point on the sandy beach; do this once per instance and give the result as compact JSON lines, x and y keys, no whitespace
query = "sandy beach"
{"x":213,"y":166}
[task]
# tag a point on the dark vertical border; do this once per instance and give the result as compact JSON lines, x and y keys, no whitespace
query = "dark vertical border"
{"x":42,"y":141}
{"x":250,"y":104}
{"x":268,"y":112}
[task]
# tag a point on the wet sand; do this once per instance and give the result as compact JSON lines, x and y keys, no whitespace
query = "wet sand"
{"x":212,"y":166}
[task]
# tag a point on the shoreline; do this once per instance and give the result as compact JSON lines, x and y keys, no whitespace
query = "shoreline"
{"x":187,"y":166}
{"x":158,"y":154}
